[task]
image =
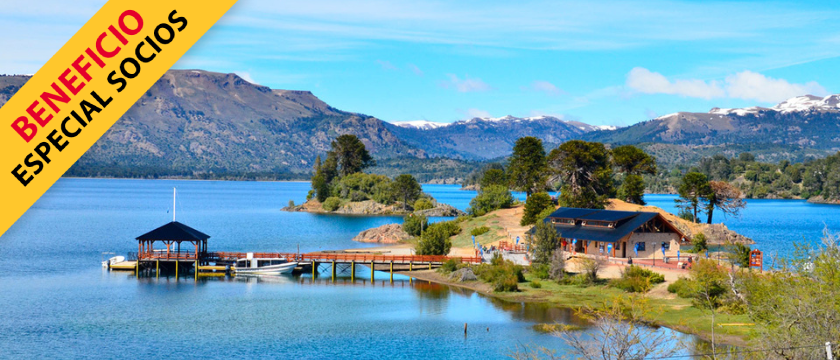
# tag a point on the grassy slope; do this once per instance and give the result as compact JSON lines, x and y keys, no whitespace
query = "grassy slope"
{"x":464,"y":239}
{"x":675,"y":313}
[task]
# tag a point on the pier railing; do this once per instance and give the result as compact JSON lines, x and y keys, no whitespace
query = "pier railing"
{"x":347,"y":257}
{"x":172,"y":255}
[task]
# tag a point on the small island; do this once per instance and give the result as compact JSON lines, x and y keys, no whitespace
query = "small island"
{"x":340,"y":187}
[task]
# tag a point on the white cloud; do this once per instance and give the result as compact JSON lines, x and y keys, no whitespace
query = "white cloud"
{"x":416,"y":70}
{"x":648,"y":82}
{"x":477,"y":113}
{"x":746,"y":85}
{"x":464,"y":85}
{"x":386,"y":65}
{"x":246,"y":76}
{"x":749,"y":85}
{"x":546,"y":87}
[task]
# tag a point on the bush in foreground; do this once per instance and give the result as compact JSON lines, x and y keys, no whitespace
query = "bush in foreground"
{"x":504,"y":275}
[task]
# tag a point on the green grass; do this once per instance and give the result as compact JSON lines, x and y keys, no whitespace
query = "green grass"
{"x":676,"y":313}
{"x":464,"y":239}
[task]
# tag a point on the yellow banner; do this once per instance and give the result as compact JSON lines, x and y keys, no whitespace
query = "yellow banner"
{"x":87,"y":86}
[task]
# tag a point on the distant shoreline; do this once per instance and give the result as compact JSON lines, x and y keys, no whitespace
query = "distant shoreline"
{"x":178,"y":179}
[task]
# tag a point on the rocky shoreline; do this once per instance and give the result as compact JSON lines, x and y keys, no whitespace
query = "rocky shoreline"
{"x":370,"y":207}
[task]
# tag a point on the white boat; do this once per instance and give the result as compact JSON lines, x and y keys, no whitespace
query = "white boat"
{"x":113,"y":260}
{"x":263,"y":266}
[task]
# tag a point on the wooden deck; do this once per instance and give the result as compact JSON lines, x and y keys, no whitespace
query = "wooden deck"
{"x":124,"y":265}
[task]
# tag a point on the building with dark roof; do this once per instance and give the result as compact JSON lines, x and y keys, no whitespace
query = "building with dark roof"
{"x":620,"y":234}
{"x":172,"y":235}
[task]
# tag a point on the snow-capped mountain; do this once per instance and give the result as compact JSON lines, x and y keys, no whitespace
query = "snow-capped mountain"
{"x":488,"y":137}
{"x":428,"y":125}
{"x":802,"y":122}
{"x":796,"y":104}
{"x":420,"y":124}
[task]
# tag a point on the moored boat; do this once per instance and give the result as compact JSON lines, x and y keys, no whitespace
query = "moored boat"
{"x":113,"y":260}
{"x":263,"y":266}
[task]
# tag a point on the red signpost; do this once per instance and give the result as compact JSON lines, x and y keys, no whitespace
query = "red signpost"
{"x":756,"y":260}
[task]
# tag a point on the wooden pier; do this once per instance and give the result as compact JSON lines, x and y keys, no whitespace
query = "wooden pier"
{"x":185,"y":263}
{"x":201,"y":262}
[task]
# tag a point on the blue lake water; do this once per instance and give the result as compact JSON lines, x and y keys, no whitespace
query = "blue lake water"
{"x":58,"y":302}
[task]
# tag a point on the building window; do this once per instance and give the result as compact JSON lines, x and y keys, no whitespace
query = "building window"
{"x":640,"y":246}
{"x":666,"y":245}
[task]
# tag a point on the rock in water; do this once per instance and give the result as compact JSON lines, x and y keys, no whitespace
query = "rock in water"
{"x":385,"y":234}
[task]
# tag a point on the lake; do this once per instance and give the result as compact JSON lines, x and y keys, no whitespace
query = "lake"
{"x":58,"y":301}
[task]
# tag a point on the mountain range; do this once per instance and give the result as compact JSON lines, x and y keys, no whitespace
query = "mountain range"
{"x":486,"y":138}
{"x":194,"y":123}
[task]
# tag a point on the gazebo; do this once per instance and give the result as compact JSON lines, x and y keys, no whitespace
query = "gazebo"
{"x":172,"y":235}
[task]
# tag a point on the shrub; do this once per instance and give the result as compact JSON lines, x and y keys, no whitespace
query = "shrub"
{"x":557,"y":268}
{"x":357,"y":196}
{"x":291,"y":203}
{"x":508,"y":282}
{"x":683,"y":287}
{"x":700,"y":243}
{"x":479,"y":230}
{"x":589,"y":267}
{"x":451,"y":227}
{"x":462,"y":218}
{"x":435,"y":240}
{"x":449,"y":266}
{"x":540,"y":271}
{"x":577,"y":279}
{"x":707,"y":286}
{"x":331,"y":203}
{"x":503,"y":275}
{"x":415,"y":224}
{"x":536,"y":284}
{"x":497,"y":259}
{"x":741,"y":255}
{"x":637,"y":279}
{"x":534,"y":205}
{"x":489,"y":199}
{"x":423,"y":204}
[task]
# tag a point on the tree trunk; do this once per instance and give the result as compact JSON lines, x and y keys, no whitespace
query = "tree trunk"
{"x":710,"y":209}
{"x":694,"y":204}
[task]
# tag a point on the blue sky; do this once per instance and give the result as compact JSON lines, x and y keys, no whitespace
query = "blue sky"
{"x":604,"y":63}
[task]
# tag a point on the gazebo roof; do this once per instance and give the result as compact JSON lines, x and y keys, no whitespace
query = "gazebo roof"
{"x":174,"y":231}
